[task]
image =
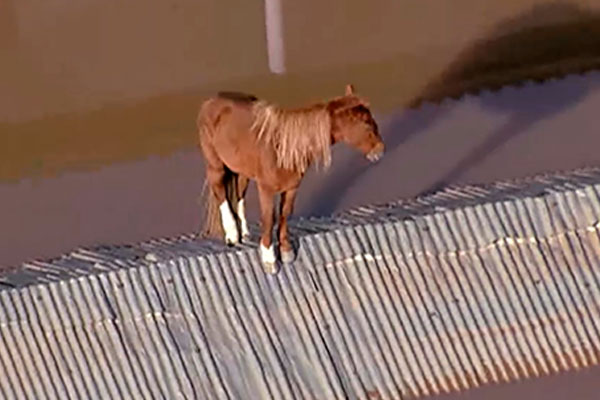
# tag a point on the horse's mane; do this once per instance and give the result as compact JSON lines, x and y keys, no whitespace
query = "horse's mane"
{"x":298,"y":136}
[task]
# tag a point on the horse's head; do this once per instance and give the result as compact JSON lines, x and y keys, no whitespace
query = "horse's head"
{"x":353,"y":124}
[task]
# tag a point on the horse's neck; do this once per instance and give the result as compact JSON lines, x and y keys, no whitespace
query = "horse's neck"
{"x":306,"y":137}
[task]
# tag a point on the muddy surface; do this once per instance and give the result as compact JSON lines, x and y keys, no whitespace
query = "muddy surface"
{"x":88,"y":86}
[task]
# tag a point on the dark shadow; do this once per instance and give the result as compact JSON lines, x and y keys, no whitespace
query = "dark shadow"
{"x":551,"y":40}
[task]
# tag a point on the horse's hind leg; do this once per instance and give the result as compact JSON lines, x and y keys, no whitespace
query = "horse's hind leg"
{"x":267,"y":251}
{"x":286,"y":209}
{"x":241,"y":207}
{"x":219,"y":180}
{"x":217,"y":177}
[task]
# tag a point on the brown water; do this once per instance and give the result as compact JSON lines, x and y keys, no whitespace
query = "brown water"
{"x":89,"y":85}
{"x":98,"y":101}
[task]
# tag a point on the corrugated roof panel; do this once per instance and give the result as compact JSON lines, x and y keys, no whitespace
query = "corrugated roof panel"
{"x":456,"y":290}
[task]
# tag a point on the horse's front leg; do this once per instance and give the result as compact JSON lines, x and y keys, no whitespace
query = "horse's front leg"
{"x":286,"y":209}
{"x":267,"y":251}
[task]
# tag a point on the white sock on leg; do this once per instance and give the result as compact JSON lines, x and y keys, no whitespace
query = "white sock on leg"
{"x":229,"y":225}
{"x":267,"y":254}
{"x":241,"y":209}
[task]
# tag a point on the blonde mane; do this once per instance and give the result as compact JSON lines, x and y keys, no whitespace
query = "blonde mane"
{"x":299,"y":137}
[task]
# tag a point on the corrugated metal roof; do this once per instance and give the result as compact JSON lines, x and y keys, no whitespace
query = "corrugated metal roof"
{"x":84,"y":261}
{"x":461,"y":288}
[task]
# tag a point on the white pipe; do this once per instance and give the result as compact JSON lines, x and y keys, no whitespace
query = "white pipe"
{"x":274,"y":27}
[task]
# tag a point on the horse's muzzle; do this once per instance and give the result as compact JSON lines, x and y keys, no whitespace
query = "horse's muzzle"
{"x":376,"y":154}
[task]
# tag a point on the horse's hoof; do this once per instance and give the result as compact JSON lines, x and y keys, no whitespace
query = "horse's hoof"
{"x":246,"y":238}
{"x":270,"y":268}
{"x":245,"y":232}
{"x":232,"y":238}
{"x":288,"y":257}
{"x":267,"y":256}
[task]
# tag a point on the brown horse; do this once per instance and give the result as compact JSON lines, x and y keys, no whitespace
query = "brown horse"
{"x":244,"y":138}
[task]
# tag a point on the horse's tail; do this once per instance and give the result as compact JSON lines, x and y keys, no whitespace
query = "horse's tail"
{"x":212,"y":214}
{"x":212,"y":221}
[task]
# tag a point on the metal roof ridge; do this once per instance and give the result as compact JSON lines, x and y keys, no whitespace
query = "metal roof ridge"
{"x":403,"y":209}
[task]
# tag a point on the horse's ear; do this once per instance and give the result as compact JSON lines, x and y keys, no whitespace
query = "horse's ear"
{"x":349,"y":89}
{"x":346,"y":103}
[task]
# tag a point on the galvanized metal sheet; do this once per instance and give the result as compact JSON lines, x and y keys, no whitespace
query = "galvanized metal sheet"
{"x":455,"y":290}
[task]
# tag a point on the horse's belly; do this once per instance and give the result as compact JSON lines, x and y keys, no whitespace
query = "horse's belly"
{"x":239,"y":156}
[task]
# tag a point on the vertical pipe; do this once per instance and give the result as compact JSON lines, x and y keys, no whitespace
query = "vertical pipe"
{"x":274,"y":28}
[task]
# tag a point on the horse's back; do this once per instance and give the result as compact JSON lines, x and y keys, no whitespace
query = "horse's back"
{"x":239,"y":97}
{"x":224,"y":104}
{"x":228,"y":115}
